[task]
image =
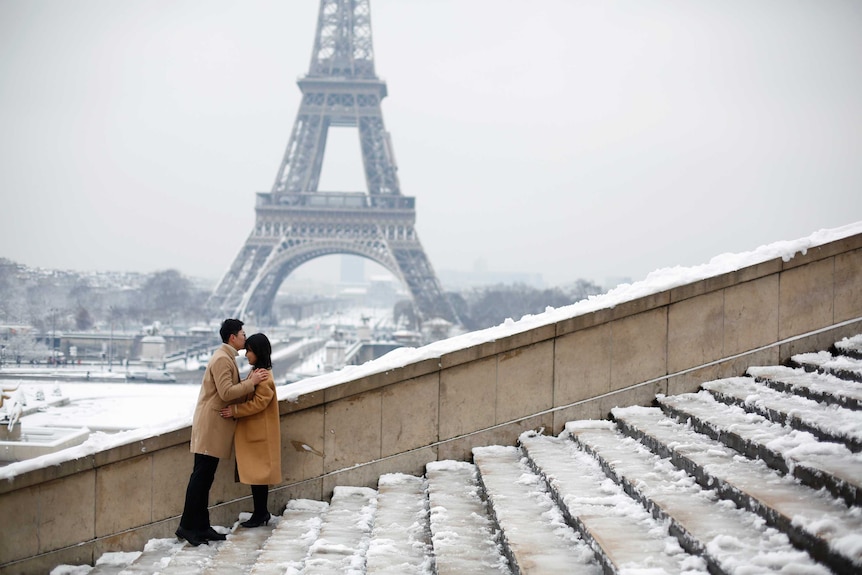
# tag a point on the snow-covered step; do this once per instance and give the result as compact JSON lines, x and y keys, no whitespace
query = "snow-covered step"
{"x":344,"y":534}
{"x":624,"y":535}
{"x":191,"y":560}
{"x":731,"y":540}
{"x":801,"y":512}
{"x":401,"y":538}
{"x":157,"y":554}
{"x":827,"y":422}
{"x":850,"y":346}
{"x":287,"y":547}
{"x":822,"y":387}
{"x":464,"y":537}
{"x":842,"y":366}
{"x":110,"y":563}
{"x":238,"y":554}
{"x":815,"y":463}
{"x":535,"y":534}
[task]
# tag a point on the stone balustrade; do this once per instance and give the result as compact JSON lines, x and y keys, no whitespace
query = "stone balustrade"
{"x":439,"y":408}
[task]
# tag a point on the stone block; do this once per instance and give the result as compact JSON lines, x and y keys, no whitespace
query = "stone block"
{"x":848,"y":286}
{"x":410,"y":414}
{"x":582,"y":365}
{"x":124,"y":495}
{"x":584,"y":321}
{"x":171,"y":470}
{"x":23,"y":540}
{"x":226,"y":486}
{"x":526,"y":338}
{"x":67,"y":511}
{"x":590,"y":409}
{"x":690,"y":381}
{"x":135,"y":539}
{"x":82,"y":554}
{"x":736,"y":366}
{"x":525,"y":381}
{"x":352,"y":428}
{"x":310,"y":489}
{"x":460,"y":449}
{"x":751,"y":315}
{"x":383,"y":379}
{"x":468,"y":397}
{"x":411,"y":463}
{"x":805,"y":298}
{"x":468,"y":354}
{"x":638,"y":348}
{"x":300,"y":429}
{"x":695,"y":333}
{"x":639,"y":395}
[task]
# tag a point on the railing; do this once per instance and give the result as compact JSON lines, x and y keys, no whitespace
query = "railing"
{"x":336,"y":200}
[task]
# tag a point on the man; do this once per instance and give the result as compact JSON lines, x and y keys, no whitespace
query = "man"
{"x":212,"y":435}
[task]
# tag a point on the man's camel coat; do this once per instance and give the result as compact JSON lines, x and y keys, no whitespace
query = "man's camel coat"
{"x":212,"y":434}
{"x":258,"y":436}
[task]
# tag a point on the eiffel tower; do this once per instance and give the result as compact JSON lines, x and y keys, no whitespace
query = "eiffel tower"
{"x":296,"y":222}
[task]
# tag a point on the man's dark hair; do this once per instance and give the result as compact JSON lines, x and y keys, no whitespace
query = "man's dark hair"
{"x":229,"y":327}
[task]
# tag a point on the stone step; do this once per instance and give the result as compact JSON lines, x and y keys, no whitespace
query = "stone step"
{"x":822,"y":387}
{"x":287,"y":547}
{"x":157,"y":554}
{"x":114,"y":563}
{"x":815,"y":463}
{"x":623,"y":535}
{"x":191,"y":560}
{"x":344,"y":533}
{"x":843,"y":366}
{"x":401,"y":536}
{"x":826,"y":422}
{"x":797,"y":510}
{"x":239,"y":553}
{"x":730,"y":539}
{"x":464,"y":536}
{"x":849,"y":346}
{"x":535,"y":535}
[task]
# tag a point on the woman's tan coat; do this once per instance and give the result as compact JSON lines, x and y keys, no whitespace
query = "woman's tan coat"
{"x":258,"y":436}
{"x":211,"y":433}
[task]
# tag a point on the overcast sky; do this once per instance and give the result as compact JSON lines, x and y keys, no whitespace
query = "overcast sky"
{"x":570,"y":138}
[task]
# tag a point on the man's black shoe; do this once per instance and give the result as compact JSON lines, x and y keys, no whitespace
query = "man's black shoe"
{"x":211,"y":534}
{"x":192,"y":537}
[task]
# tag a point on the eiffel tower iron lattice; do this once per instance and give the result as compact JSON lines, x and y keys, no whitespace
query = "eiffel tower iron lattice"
{"x":295,"y":222}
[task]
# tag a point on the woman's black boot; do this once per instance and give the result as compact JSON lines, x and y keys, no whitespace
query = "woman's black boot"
{"x":259,"y":494}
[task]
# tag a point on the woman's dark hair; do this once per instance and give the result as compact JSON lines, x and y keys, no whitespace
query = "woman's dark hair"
{"x":259,"y":344}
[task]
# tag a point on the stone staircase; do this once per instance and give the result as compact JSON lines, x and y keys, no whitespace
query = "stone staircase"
{"x":754,"y":474}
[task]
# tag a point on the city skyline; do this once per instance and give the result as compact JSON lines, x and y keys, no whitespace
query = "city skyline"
{"x":566,"y":139}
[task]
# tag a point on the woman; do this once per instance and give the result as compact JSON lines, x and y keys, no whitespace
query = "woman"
{"x":257,"y":436}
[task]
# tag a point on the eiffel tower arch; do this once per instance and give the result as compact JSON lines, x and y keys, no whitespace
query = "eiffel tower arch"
{"x":296,"y":222}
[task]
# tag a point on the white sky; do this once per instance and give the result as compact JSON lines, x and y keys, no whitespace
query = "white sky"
{"x":570,"y":138}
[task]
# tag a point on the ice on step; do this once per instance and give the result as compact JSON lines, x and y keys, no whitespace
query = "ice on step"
{"x":400,"y":539}
{"x":533,"y":527}
{"x":619,"y":528}
{"x":464,"y":537}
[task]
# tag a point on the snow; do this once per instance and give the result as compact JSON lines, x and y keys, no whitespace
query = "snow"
{"x":123,"y":413}
{"x":151,"y":416}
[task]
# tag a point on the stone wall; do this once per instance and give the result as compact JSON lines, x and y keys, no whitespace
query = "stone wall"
{"x":351,"y":433}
